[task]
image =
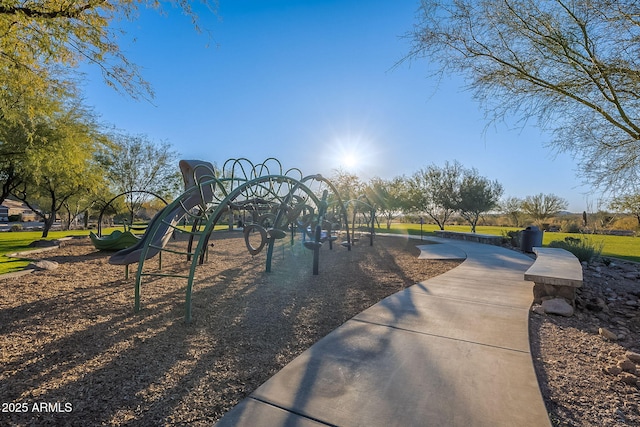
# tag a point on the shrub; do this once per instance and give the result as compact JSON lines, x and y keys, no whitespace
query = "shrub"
{"x":570,"y":227}
{"x":626,"y":223}
{"x":16,"y":227}
{"x":583,"y":248}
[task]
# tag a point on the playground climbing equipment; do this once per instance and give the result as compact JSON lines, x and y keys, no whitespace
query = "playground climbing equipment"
{"x":267,"y":201}
{"x":363,"y":206}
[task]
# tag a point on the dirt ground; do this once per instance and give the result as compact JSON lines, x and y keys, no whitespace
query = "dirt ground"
{"x":588,"y":365}
{"x":75,"y":353}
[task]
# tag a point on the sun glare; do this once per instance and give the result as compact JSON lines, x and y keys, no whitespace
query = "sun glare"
{"x":352,"y":153}
{"x":350,"y":160}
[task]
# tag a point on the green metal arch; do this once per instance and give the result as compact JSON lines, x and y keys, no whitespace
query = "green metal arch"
{"x":216,"y":214}
{"x":206,"y":202}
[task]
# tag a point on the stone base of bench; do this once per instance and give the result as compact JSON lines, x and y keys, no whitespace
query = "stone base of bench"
{"x":556,"y":273}
{"x":542,"y":291}
{"x":488,"y":239}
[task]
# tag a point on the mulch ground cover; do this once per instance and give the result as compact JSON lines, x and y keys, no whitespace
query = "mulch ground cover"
{"x":75,"y":353}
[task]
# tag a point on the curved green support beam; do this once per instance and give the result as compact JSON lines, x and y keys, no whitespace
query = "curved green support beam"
{"x":205,"y":203}
{"x":216,"y":214}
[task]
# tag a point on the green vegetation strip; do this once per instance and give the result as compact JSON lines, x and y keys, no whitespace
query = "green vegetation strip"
{"x":19,"y":241}
{"x":624,"y":247}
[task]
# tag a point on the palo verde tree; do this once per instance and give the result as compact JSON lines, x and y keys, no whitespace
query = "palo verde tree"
{"x":543,"y":206}
{"x":434,"y":191}
{"x":62,"y":168}
{"x":573,"y":65}
{"x":476,"y":196}
{"x":40,"y":40}
{"x":629,"y":202}
{"x":25,"y":133}
{"x":512,"y":208}
{"x":137,"y":166}
{"x":388,"y":196}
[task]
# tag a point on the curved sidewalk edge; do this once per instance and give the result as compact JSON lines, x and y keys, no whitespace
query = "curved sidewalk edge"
{"x":450,"y":351}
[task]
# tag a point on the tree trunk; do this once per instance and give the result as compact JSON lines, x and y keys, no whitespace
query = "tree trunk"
{"x":48,"y":223}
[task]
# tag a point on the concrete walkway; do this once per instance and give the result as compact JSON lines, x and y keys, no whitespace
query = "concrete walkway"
{"x":449,"y":351}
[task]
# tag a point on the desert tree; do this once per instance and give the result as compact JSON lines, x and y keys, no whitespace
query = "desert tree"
{"x":64,"y":167}
{"x":348,"y":184}
{"x":512,"y":208}
{"x":388,"y":196}
{"x":574,"y":66}
{"x":541,"y":207}
{"x":434,"y":191}
{"x":41,"y":40}
{"x":24,"y":134}
{"x":137,"y":166}
{"x":477,"y":195}
{"x":629,"y":202}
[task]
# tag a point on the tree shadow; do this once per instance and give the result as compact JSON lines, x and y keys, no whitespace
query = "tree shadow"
{"x":81,"y":343}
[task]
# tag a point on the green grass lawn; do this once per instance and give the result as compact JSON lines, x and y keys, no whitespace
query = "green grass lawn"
{"x":19,"y":241}
{"x":613,"y":246}
{"x":624,"y":247}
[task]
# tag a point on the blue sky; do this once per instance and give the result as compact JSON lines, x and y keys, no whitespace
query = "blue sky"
{"x":313,"y":83}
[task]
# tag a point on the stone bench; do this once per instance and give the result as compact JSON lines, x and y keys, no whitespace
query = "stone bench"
{"x":555,"y":273}
{"x":489,"y":239}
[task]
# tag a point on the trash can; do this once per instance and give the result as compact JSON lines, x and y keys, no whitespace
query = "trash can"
{"x":530,"y":237}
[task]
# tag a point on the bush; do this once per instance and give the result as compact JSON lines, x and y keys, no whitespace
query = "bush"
{"x":570,"y":227}
{"x":583,"y":248}
{"x":15,"y":218}
{"x":626,"y":223}
{"x":16,"y":227}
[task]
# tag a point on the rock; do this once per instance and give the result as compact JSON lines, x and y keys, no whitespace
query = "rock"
{"x":629,"y":379}
{"x":557,"y":306}
{"x":593,"y":307}
{"x":627,"y":365}
{"x":605,"y":333}
{"x":538,"y":309}
{"x":44,"y":243}
{"x":45,"y":265}
{"x":632,"y":356}
{"x":613,"y":370}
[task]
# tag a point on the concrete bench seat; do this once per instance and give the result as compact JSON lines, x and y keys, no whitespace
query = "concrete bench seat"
{"x":489,"y":239}
{"x":555,"y":273}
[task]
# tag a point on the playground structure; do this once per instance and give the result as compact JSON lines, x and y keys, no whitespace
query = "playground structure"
{"x":115,"y":241}
{"x":368,"y":209}
{"x":270,"y":203}
{"x":118,"y":240}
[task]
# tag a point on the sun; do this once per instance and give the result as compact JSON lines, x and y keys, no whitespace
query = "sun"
{"x":350,"y":153}
{"x":350,"y":160}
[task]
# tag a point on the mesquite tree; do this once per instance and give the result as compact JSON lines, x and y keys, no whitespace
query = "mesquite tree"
{"x":572,"y":65}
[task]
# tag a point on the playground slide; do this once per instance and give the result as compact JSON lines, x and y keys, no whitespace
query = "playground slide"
{"x":193,"y":171}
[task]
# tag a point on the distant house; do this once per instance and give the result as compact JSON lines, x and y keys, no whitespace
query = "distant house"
{"x":15,"y":207}
{"x":4,"y":213}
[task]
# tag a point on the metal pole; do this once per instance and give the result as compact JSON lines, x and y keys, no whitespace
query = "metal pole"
{"x":316,"y":250}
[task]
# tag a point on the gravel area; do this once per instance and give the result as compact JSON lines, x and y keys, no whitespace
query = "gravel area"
{"x":588,"y":365}
{"x":73,"y":347}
